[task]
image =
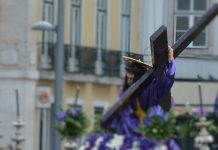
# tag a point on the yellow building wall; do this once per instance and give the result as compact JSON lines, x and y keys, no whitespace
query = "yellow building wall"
{"x":67,"y":20}
{"x":114,"y":17}
{"x":135,"y":26}
{"x":44,"y":82}
{"x":38,"y":17}
{"x":89,"y":91}
{"x":89,"y":22}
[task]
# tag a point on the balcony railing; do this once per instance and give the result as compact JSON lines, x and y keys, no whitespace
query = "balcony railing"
{"x":46,"y":56}
{"x":80,"y":59}
{"x":111,"y":61}
{"x":84,"y":60}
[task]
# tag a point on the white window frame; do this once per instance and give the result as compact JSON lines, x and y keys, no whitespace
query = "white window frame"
{"x":98,"y":103}
{"x":71,"y":100}
{"x":47,"y":36}
{"x":45,"y":132}
{"x":48,"y":15}
{"x":191,"y":14}
{"x":125,"y":26}
{"x":101,"y":35}
{"x":75,"y":24}
{"x":75,"y":33}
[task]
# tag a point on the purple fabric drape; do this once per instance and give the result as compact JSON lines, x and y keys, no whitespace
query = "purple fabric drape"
{"x":126,"y":122}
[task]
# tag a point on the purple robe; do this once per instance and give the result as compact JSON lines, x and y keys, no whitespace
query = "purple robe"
{"x":127,"y":122}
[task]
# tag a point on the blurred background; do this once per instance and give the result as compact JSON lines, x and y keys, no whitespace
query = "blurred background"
{"x":96,"y":33}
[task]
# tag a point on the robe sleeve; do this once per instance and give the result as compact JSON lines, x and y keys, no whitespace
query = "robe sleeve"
{"x":159,"y":85}
{"x":124,"y":122}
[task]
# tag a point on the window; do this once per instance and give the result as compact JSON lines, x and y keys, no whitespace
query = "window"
{"x":48,"y":11}
{"x":75,"y":22}
{"x":44,"y":129}
{"x":71,"y":102}
{"x":187,"y":12}
{"x":47,"y":36}
{"x":101,"y":34}
{"x":75,"y":35}
{"x":98,"y":110}
{"x":125,"y":25}
{"x":101,"y":24}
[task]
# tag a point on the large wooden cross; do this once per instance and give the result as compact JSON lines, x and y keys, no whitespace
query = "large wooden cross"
{"x":159,"y":48}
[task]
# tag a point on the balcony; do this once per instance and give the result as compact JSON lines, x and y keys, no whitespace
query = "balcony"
{"x":81,"y":60}
{"x":111,"y":63}
{"x":46,"y":56}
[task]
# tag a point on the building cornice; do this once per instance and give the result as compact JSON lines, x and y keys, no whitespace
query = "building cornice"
{"x":76,"y":77}
{"x":19,"y":74}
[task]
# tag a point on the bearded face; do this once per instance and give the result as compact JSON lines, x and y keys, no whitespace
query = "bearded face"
{"x":135,"y":68}
{"x":130,"y":78}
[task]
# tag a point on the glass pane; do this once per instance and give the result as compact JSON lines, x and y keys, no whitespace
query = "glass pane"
{"x":183,"y":4}
{"x":102,"y":4}
{"x":200,"y":4}
{"x":76,"y":2}
{"x":78,"y":106}
{"x":48,"y":0}
{"x":48,"y":16}
{"x":123,"y":6}
{"x":200,"y":40}
{"x":196,"y":18}
{"x":182,"y":23}
{"x":178,"y":35}
{"x":75,"y":26}
{"x":48,"y":12}
{"x":98,"y":110}
{"x":99,"y":4}
{"x":125,"y":29}
{"x":101,"y":30}
{"x":126,"y":6}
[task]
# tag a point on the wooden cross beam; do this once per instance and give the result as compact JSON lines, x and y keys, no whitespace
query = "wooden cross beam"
{"x":141,"y":84}
{"x":159,"y":53}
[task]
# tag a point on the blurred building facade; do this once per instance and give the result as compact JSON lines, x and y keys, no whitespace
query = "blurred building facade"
{"x":197,"y":64}
{"x":96,"y":34}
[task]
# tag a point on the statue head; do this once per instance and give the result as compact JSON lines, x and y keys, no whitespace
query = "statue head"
{"x":135,"y":68}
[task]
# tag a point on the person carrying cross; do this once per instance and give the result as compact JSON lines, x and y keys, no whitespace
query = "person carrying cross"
{"x":123,"y":131}
{"x":134,"y":114}
{"x":126,"y":118}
